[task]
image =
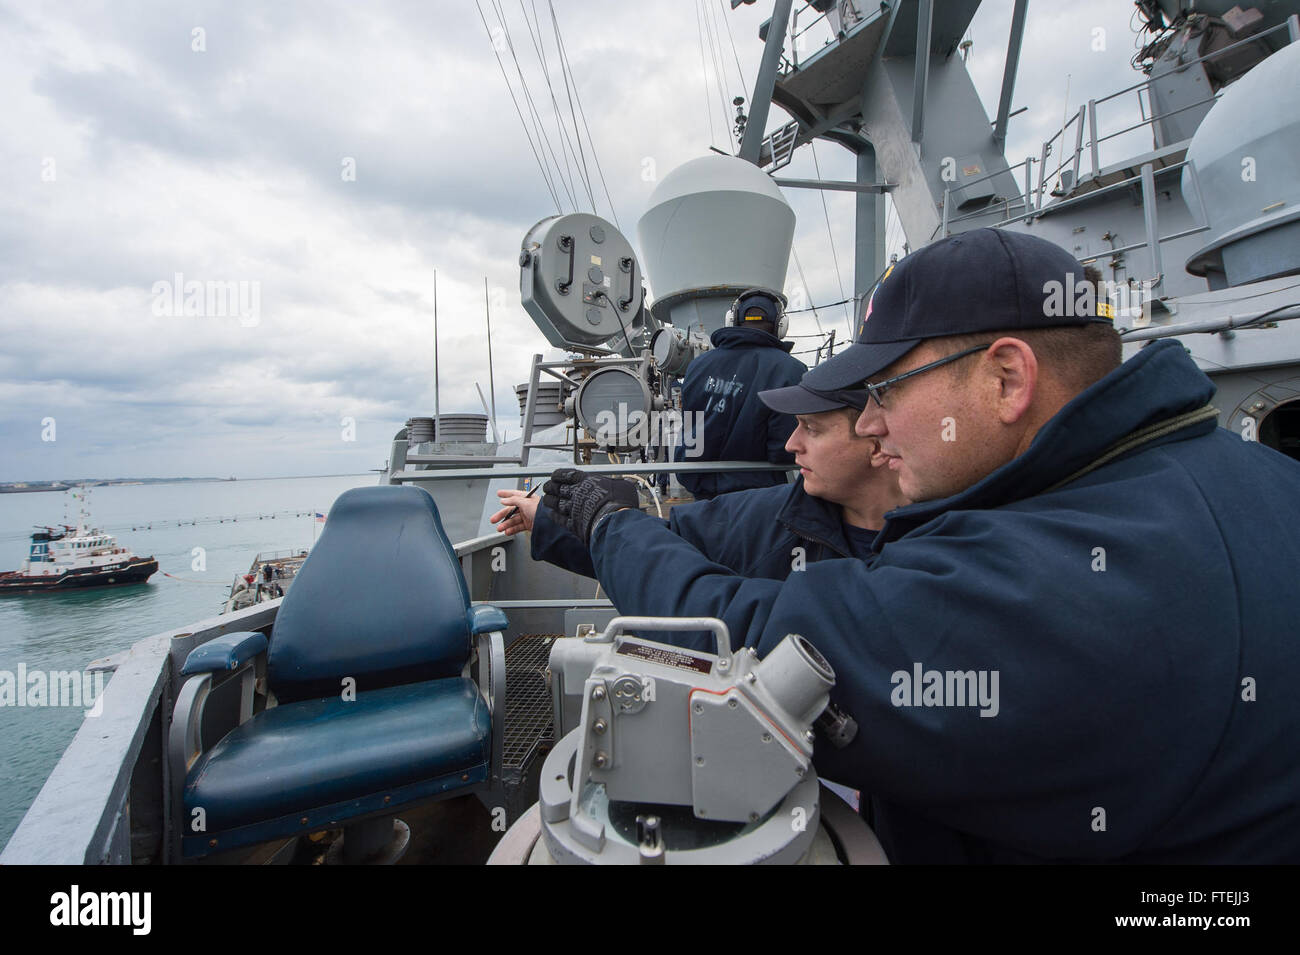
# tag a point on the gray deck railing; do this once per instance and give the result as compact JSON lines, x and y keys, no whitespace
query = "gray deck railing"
{"x":1084,"y":125}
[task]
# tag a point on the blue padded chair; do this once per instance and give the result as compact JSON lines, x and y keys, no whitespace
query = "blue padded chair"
{"x":369,"y":664}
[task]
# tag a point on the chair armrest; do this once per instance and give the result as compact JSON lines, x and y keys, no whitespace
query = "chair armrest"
{"x":226,"y":652}
{"x":484,"y":618}
{"x":231,"y":656}
{"x":491,"y":652}
{"x":184,"y":746}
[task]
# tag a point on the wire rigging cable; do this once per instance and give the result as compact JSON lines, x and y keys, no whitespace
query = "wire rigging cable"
{"x":565,"y":145}
{"x":543,"y":142}
{"x":566,"y":172}
{"x":722,"y":4}
{"x":848,"y":318}
{"x":813,"y":308}
{"x":531,"y":145}
{"x":704,"y":72}
{"x":804,"y":280}
{"x":715,"y":50}
{"x":577,"y":95}
{"x":504,"y":29}
{"x":532,"y":106}
{"x":573,"y":116}
{"x":561,"y":133}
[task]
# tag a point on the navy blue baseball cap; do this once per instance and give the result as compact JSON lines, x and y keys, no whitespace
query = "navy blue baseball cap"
{"x":982,"y":280}
{"x":800,"y":399}
{"x":757,"y":305}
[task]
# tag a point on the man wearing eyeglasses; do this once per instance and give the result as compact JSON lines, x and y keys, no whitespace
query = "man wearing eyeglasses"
{"x":1078,"y":644}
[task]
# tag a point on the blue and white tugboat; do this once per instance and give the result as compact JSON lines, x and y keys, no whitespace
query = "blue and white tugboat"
{"x":75,"y":558}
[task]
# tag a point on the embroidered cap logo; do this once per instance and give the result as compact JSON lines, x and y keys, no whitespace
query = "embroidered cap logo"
{"x":863,"y":327}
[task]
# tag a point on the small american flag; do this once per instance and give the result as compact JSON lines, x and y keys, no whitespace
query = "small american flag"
{"x":320,"y":518}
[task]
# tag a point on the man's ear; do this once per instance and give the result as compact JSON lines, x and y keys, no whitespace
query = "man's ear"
{"x":1014,"y":368}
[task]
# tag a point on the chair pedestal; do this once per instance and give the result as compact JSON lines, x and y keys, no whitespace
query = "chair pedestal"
{"x":380,"y":841}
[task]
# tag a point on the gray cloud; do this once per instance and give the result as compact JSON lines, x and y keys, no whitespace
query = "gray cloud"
{"x":226,"y":166}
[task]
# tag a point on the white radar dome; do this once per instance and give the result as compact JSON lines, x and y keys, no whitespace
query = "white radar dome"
{"x":1247,"y":158}
{"x":716,"y":224}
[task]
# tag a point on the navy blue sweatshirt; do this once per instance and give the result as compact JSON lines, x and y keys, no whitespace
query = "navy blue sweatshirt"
{"x":723,"y":386}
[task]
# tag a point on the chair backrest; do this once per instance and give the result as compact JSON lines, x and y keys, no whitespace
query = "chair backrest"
{"x":380,"y":599}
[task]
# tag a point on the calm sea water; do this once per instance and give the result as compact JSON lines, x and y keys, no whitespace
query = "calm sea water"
{"x":230,"y":520}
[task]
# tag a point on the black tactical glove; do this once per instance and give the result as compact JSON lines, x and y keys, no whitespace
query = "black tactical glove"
{"x":581,"y":500}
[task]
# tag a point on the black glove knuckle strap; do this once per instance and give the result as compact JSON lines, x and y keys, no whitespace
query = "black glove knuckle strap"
{"x":593,"y":498}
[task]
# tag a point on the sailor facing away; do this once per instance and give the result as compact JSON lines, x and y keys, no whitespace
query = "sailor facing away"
{"x":721,"y":389}
{"x":1079,"y":644}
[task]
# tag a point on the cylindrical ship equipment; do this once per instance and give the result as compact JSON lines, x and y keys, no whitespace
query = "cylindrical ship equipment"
{"x":1246,"y":159}
{"x":715,"y":226}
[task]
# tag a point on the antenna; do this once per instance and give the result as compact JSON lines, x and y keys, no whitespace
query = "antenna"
{"x":483,"y":402}
{"x":437,"y":417}
{"x":492,"y":388}
{"x":1065,"y":112}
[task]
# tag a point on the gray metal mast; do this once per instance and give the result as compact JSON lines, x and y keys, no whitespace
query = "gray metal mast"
{"x":869,"y":244}
{"x":1009,"y":71}
{"x":752,"y":142}
{"x":492,"y":388}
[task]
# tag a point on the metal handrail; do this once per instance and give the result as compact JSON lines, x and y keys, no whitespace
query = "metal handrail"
{"x":1182,"y":66}
{"x":812,"y":23}
{"x":790,"y":52}
{"x":1066,"y":203}
{"x":1095,"y":140}
{"x":1152,"y":119}
{"x":999,"y":172}
{"x":545,"y":470}
{"x":1033,"y":194}
{"x":279,"y":554}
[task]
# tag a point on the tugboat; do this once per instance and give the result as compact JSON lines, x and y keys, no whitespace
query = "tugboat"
{"x":74,"y":558}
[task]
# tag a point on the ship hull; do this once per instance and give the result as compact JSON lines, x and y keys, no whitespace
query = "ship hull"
{"x":136,"y":571}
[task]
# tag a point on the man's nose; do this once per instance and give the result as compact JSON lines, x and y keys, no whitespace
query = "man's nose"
{"x":792,"y":443}
{"x":870,"y":423}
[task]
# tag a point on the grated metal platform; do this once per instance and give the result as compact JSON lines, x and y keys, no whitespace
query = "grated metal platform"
{"x":529,"y":714}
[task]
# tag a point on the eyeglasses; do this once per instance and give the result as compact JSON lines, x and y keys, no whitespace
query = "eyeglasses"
{"x":877,"y":390}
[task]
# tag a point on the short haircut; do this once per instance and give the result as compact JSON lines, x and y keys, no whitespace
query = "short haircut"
{"x":1078,"y":355}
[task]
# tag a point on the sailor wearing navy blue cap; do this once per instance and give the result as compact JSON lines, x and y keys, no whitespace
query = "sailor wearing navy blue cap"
{"x":1079,"y":643}
{"x":833,"y":510}
{"x":720,"y":394}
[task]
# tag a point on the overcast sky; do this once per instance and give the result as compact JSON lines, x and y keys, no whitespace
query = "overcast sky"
{"x":329,"y":157}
